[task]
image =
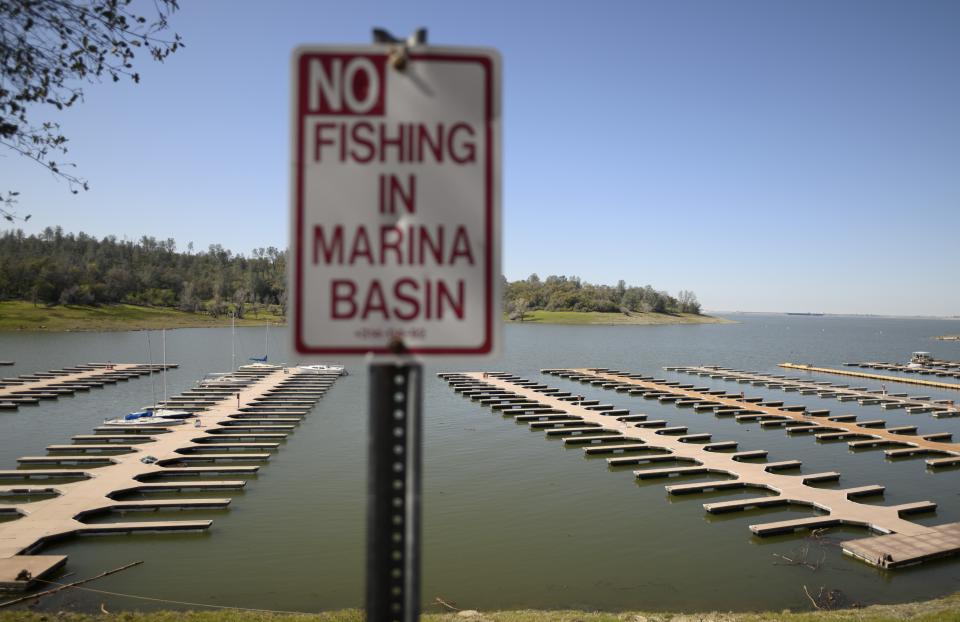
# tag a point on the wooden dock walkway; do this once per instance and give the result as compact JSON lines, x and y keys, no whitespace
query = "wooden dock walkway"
{"x":609,"y":429}
{"x":31,"y":388}
{"x":146,"y":459}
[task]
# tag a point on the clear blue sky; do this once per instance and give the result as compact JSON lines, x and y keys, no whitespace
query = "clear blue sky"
{"x":768,"y":155}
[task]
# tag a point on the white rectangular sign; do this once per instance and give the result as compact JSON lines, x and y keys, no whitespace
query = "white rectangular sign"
{"x":396,"y":201}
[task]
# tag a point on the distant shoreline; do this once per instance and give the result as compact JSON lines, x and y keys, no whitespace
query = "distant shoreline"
{"x":867,"y":316}
{"x":597,"y":318}
{"x":23,"y":316}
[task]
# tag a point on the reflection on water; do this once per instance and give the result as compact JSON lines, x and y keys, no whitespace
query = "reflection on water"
{"x":510,"y":520}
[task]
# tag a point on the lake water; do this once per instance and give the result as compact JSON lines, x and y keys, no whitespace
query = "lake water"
{"x":511,"y":520}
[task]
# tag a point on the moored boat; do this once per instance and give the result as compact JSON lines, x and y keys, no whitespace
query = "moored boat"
{"x":325,"y":368}
{"x":142,"y":418}
{"x":168,"y":413}
{"x":259,"y":365}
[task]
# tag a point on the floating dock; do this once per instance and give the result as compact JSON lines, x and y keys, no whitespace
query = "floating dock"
{"x":901,"y":442}
{"x":31,"y":388}
{"x":608,"y":429}
{"x":859,"y":374}
{"x":824,"y":389}
{"x":107,"y":467}
{"x":942,"y":369}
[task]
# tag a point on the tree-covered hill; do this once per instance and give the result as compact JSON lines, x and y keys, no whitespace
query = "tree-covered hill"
{"x":561,"y":293}
{"x":77,"y":269}
{"x":60,"y":268}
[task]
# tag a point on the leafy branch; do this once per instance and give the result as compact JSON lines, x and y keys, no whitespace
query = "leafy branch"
{"x":7,"y":210}
{"x":48,"y":49}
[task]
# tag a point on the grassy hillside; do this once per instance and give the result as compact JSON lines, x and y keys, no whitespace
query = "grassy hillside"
{"x":595,"y":317}
{"x":21,"y":315}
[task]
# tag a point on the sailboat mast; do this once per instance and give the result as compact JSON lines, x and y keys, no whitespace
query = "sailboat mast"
{"x":153,"y":378}
{"x":163,"y":333}
{"x":233,"y":341}
{"x":266,"y":338}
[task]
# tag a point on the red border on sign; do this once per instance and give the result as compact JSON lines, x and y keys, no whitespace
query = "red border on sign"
{"x":487,"y":346}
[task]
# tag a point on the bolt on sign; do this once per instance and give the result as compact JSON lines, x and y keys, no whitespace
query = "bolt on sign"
{"x":396,"y":201}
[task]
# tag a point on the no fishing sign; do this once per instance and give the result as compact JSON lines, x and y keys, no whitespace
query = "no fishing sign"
{"x":395,"y":201}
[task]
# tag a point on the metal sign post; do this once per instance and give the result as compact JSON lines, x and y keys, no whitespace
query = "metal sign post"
{"x":395,"y":454}
{"x":393,"y":491}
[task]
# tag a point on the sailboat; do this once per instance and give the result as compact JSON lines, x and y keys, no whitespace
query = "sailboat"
{"x":325,"y":368}
{"x":166,"y":413}
{"x":145,"y":417}
{"x":226,"y":378}
{"x":153,"y":415}
{"x":260,"y":362}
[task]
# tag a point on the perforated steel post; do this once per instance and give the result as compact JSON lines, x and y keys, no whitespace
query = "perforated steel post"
{"x":393,"y":492}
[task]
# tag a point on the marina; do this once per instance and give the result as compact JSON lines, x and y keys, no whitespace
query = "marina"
{"x":235,"y":431}
{"x":606,"y":428}
{"x":421,"y":368}
{"x":301,"y":518}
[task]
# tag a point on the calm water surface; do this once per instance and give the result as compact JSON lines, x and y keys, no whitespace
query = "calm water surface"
{"x":511,"y":520}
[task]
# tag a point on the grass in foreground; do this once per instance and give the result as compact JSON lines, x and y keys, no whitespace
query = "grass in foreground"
{"x":23,"y":315}
{"x":942,"y":609}
{"x":594,"y":317}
